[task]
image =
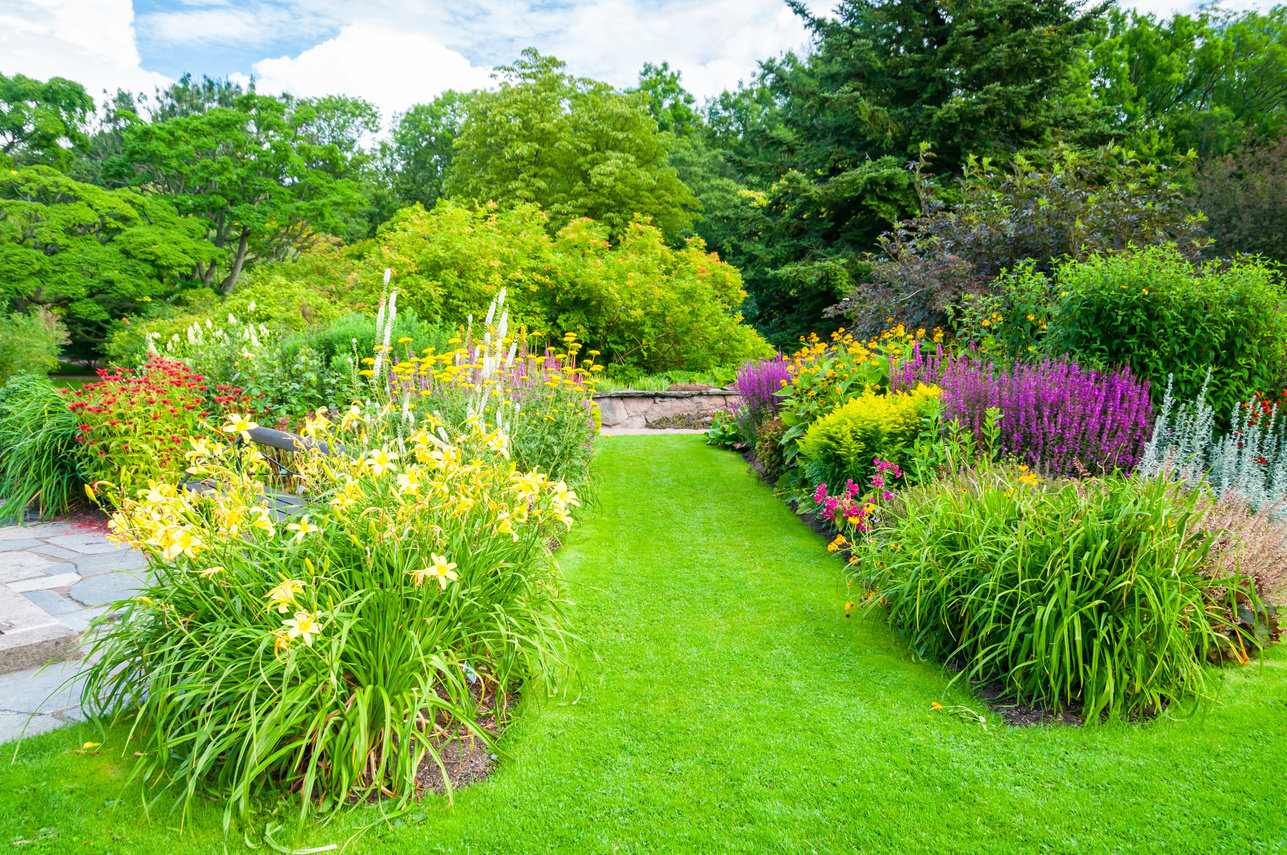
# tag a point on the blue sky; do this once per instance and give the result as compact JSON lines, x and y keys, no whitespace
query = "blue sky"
{"x":399,"y":52}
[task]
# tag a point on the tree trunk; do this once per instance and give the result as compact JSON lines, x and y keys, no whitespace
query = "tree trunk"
{"x":239,"y":262}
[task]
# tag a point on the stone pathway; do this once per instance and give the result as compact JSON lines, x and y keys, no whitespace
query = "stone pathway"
{"x":55,"y":578}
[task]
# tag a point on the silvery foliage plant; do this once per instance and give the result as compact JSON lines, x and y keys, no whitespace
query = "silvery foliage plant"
{"x":1250,"y":459}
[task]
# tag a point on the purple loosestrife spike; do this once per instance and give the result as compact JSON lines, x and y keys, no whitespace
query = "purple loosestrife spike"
{"x":1058,"y":417}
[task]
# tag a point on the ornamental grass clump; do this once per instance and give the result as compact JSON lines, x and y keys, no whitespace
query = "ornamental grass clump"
{"x":1056,"y":416}
{"x":40,"y":451}
{"x":1096,"y":594}
{"x":327,"y":653}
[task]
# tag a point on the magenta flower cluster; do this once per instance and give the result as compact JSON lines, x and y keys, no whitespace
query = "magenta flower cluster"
{"x":758,"y":384}
{"x":847,"y":506}
{"x":1056,"y":416}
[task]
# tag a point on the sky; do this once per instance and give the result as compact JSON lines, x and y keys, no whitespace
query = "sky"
{"x":396,"y":53}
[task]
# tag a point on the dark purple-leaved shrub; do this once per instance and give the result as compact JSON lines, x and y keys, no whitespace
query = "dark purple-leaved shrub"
{"x":758,"y":383}
{"x":1057,"y":417}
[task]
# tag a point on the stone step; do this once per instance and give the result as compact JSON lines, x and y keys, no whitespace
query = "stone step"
{"x":29,"y":637}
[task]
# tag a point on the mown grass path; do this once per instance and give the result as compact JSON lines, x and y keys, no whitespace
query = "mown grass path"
{"x":735,"y":709}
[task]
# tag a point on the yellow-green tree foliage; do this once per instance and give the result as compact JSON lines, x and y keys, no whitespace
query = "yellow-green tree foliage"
{"x":637,"y":301}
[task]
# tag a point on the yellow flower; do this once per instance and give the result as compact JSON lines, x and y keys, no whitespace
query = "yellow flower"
{"x":936,"y":706}
{"x":239,"y":424}
{"x":283,"y":595}
{"x":440,"y":569}
{"x":405,"y":339}
{"x":262,"y":520}
{"x":302,"y":529}
{"x":849,"y":605}
{"x":302,"y":625}
{"x":409,"y":482}
{"x":1032,"y":317}
{"x":381,"y":461}
{"x":210,"y":572}
{"x":180,"y":541}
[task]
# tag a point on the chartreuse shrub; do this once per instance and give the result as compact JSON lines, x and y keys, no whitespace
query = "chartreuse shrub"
{"x":1162,"y":315}
{"x":323,"y":654}
{"x":1092,"y":593}
{"x":826,"y":374}
{"x":843,"y":445}
{"x":40,"y":455}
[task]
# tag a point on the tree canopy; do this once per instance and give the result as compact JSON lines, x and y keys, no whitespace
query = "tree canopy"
{"x":573,"y":146}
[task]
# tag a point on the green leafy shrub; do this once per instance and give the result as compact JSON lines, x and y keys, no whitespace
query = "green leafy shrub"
{"x":1160,"y":314}
{"x":769,"y":459}
{"x":1044,"y":207}
{"x":1085,"y":592}
{"x":32,"y":343}
{"x":724,"y":431}
{"x":325,"y":655}
{"x":842,"y":445}
{"x":40,"y":455}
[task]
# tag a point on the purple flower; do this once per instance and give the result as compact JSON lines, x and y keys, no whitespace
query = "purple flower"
{"x":1057,"y":417}
{"x":758,"y":384}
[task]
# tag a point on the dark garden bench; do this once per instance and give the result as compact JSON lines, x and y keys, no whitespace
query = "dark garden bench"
{"x":277,"y":446}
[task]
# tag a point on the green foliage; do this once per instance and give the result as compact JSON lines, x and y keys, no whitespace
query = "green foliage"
{"x":263,"y":174}
{"x":460,"y":605}
{"x":32,"y":343}
{"x":1244,"y":197}
{"x":422,"y":147}
{"x":842,"y":445}
{"x":40,"y":458}
{"x":1089,"y":592}
{"x":43,"y":123}
{"x":88,"y":253}
{"x":724,"y":431}
{"x":769,"y":457}
{"x":1054,"y":205}
{"x":1160,"y":314}
{"x":643,"y":303}
{"x":1207,"y":82}
{"x":572,"y":146}
{"x":448,"y":263}
{"x":638,"y":302}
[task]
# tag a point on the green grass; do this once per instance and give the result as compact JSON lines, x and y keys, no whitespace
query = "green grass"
{"x":736,"y":709}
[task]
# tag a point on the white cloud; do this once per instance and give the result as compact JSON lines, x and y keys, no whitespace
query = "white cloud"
{"x":391,"y":68}
{"x":713,"y":45}
{"x":89,"y":41}
{"x":201,"y":25}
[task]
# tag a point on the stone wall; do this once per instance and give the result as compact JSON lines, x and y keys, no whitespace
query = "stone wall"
{"x":633,"y":409}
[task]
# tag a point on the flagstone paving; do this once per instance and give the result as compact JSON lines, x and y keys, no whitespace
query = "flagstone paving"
{"x":70,"y":573}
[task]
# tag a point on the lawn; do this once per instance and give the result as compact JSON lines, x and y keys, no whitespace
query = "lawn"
{"x":734,"y":708}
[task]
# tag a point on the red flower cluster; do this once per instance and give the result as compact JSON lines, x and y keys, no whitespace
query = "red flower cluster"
{"x":1262,"y":406}
{"x":141,"y":419}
